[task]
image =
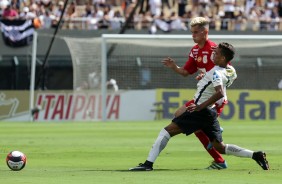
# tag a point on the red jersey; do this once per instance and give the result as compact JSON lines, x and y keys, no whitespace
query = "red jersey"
{"x":201,"y":59}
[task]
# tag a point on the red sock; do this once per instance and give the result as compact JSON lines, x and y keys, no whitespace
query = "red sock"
{"x":213,"y":152}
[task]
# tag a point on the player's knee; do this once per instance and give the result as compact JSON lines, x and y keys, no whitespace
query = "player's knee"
{"x":173,"y":129}
{"x":199,"y":133}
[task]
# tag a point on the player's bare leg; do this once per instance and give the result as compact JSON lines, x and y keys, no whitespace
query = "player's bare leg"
{"x":180,"y":111}
{"x":160,"y":143}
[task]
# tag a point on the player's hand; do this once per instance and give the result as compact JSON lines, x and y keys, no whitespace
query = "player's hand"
{"x":200,"y":76}
{"x":193,"y":107}
{"x":168,"y":62}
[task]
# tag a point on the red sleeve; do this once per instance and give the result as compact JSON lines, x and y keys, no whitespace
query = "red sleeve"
{"x":191,"y":65}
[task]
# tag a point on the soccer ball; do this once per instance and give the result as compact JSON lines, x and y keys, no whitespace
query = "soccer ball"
{"x":16,"y":160}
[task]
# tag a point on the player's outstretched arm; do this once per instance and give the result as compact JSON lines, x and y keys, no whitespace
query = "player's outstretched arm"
{"x":170,"y":63}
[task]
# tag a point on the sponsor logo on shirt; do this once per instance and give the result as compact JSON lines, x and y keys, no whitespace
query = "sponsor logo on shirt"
{"x":199,"y":59}
{"x":215,"y":76}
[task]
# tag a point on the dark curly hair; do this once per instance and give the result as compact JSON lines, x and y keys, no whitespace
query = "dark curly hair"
{"x":227,"y":50}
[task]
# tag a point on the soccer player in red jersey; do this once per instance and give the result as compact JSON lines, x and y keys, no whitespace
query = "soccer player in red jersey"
{"x":200,"y":59}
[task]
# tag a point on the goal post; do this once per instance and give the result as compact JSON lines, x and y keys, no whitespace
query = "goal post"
{"x":32,"y":75}
{"x":104,"y":77}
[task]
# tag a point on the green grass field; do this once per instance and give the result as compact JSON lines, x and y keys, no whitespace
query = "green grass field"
{"x":83,"y":153}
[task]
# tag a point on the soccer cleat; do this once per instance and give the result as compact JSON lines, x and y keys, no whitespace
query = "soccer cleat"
{"x":260,"y":158}
{"x":217,"y":166}
{"x":141,"y":167}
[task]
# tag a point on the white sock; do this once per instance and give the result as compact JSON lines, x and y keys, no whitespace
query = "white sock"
{"x":159,"y":145}
{"x":235,"y":150}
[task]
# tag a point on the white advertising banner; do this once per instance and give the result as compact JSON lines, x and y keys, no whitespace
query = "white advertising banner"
{"x":130,"y":105}
{"x":124,"y":105}
{"x":133,"y":105}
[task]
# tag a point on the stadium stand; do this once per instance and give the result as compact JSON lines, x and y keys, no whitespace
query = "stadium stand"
{"x":239,"y":15}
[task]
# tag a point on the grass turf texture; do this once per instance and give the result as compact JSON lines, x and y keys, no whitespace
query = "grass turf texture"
{"x":78,"y":153}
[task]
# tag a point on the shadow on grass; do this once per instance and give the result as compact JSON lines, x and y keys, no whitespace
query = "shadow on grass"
{"x":155,"y":170}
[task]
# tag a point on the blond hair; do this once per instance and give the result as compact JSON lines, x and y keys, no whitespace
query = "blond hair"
{"x":200,"y":21}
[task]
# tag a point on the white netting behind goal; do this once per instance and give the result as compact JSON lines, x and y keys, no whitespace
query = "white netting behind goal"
{"x":134,"y":61}
{"x":86,"y":60}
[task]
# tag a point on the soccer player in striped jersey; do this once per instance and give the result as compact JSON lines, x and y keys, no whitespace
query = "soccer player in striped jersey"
{"x":200,"y":59}
{"x":201,"y":114}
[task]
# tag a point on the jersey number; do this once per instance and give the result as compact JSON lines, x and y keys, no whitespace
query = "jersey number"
{"x":205,"y":59}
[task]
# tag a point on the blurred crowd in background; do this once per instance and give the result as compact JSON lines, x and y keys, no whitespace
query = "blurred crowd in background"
{"x":153,"y":15}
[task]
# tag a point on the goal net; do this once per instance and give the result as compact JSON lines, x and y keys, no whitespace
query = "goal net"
{"x":86,"y":61}
{"x":133,"y":62}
